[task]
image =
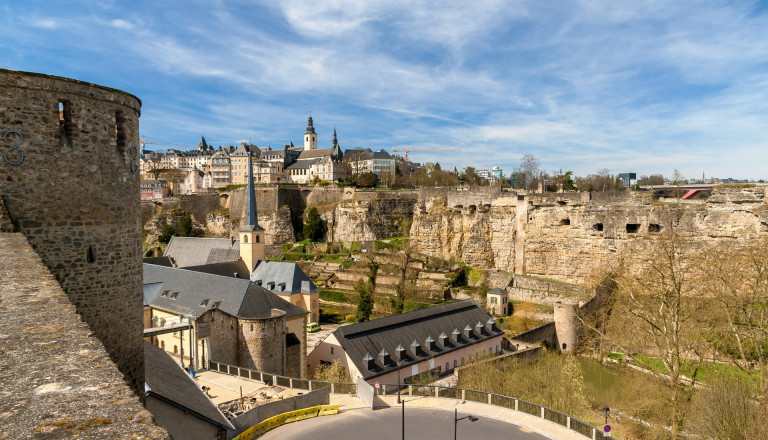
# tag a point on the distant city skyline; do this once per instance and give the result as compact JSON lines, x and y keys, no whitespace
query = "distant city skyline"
{"x":644,"y":87}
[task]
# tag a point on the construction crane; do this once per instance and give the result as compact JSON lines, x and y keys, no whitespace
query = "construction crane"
{"x":143,"y":143}
{"x":406,"y":150}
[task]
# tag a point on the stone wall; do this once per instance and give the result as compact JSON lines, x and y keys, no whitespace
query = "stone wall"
{"x":261,"y":343}
{"x":271,"y":409}
{"x":571,"y":236}
{"x":57,"y":379}
{"x":69,"y":176}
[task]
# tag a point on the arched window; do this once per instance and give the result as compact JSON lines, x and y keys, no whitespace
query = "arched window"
{"x":245,"y":239}
{"x":257,"y":239}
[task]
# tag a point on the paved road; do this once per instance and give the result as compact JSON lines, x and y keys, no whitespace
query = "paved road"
{"x":385,"y":423}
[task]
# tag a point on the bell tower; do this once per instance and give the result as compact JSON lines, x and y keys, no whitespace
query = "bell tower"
{"x":251,"y":235}
{"x":310,"y":137}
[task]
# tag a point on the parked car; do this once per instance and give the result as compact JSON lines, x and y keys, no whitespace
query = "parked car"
{"x":313,"y":327}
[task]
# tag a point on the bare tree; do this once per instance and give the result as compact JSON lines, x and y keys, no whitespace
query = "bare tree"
{"x":656,"y":311}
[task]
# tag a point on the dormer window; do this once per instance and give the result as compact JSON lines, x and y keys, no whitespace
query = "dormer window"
{"x":467,"y":332}
{"x":204,"y":303}
{"x":455,"y":336}
{"x":400,"y":352}
{"x":384,"y":357}
{"x":368,"y":362}
{"x":429,"y":344}
{"x":415,"y":348}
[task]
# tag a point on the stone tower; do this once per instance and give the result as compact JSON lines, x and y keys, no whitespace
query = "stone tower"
{"x":251,"y":235}
{"x":567,"y":327}
{"x":69,"y":162}
{"x":310,"y":137}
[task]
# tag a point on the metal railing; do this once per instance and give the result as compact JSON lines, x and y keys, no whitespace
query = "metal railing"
{"x":572,"y":423}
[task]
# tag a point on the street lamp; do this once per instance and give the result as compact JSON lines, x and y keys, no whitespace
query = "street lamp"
{"x":398,"y":380}
{"x":456,"y":420}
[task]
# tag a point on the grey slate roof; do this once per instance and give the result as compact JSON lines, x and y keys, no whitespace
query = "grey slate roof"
{"x":285,"y":278}
{"x":317,"y":153}
{"x":221,"y":255}
{"x":381,"y":154}
{"x":225,"y":269}
{"x":151,"y":290}
{"x":194,"y":251}
{"x":192,"y":293}
{"x":166,"y":379}
{"x":302,"y":163}
{"x":371,"y":337}
{"x":160,"y":261}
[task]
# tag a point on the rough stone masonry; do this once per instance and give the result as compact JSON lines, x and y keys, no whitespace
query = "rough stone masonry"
{"x":69,"y":180}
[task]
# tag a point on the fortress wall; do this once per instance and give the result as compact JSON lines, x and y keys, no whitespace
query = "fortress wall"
{"x":69,"y":177}
{"x":58,"y":380}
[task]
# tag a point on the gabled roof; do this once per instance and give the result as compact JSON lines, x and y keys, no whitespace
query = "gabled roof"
{"x":195,"y":251}
{"x":311,"y":154}
{"x":381,"y":154}
{"x":151,"y":290}
{"x":225,"y":269}
{"x":282,"y":278}
{"x":160,"y":261}
{"x":192,"y":293}
{"x":165,"y":379}
{"x":371,"y":337}
{"x":303,"y":163}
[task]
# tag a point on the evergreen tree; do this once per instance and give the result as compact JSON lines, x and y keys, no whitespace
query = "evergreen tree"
{"x":365,"y":300}
{"x":314,"y":228}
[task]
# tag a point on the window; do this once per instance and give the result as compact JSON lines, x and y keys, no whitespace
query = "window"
{"x":455,"y":363}
{"x":632,"y":228}
{"x":245,"y":239}
{"x":331,"y":349}
{"x":447,"y":366}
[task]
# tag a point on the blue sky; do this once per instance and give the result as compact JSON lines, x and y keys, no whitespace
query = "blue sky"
{"x":643,"y":86}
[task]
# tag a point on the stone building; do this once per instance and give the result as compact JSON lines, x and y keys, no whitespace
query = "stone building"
{"x":429,"y":341}
{"x":497,"y":302}
{"x":56,"y":134}
{"x":233,"y":321}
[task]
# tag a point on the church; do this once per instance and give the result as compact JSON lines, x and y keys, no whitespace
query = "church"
{"x":220,"y":300}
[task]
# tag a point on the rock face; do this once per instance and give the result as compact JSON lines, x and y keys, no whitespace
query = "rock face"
{"x":568,"y":236}
{"x":370,"y":215}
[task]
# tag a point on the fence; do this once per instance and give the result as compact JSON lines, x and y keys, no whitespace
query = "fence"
{"x":574,"y":424}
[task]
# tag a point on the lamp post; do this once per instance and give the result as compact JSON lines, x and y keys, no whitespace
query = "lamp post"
{"x":398,"y":384}
{"x":456,"y":420}
{"x":606,"y":410}
{"x":402,"y":423}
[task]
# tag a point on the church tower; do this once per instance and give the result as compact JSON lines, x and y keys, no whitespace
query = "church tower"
{"x":310,"y":137}
{"x":251,"y":235}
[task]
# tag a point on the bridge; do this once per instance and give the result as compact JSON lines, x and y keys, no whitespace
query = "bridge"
{"x":690,"y":189}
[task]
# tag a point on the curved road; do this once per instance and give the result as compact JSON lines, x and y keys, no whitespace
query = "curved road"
{"x":385,"y":423}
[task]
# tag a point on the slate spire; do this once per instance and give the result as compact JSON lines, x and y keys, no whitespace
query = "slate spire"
{"x":310,"y":127}
{"x":335,"y":141}
{"x":251,"y":219}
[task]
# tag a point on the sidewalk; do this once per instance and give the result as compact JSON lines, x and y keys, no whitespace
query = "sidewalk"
{"x":225,"y":388}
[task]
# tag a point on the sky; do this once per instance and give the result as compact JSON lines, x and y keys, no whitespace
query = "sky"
{"x":628,"y":86}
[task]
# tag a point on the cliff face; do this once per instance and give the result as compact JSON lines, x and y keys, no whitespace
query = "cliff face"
{"x":369,"y":216}
{"x":568,"y":236}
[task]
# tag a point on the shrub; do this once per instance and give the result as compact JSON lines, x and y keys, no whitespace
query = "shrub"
{"x":350,"y":318}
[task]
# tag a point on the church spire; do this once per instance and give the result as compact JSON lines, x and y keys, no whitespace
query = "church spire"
{"x":251,"y":219}
{"x":310,"y":127}
{"x":251,"y":235}
{"x":310,"y":137}
{"x":335,"y":141}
